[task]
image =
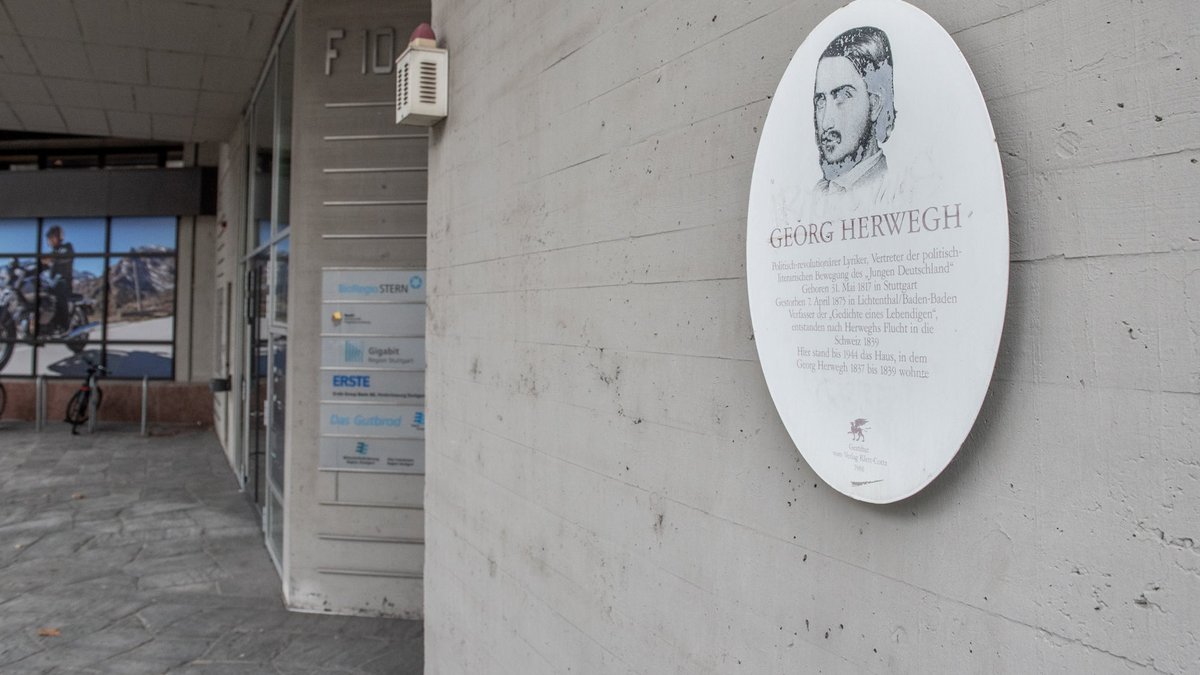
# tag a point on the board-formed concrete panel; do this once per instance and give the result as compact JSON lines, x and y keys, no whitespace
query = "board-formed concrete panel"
{"x":609,"y":488}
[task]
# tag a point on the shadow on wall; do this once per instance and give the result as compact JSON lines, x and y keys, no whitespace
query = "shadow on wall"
{"x":121,"y":363}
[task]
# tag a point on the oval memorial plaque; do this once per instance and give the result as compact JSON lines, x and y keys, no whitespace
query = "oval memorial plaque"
{"x":877,"y":250}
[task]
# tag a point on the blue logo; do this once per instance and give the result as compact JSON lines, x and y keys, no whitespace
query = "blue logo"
{"x":419,"y":419}
{"x":354,"y":352}
{"x":357,"y":289}
{"x":360,"y":448}
{"x":415,"y":282}
{"x":363,"y":381}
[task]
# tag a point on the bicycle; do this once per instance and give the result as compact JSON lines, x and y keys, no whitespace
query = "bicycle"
{"x":77,"y":407}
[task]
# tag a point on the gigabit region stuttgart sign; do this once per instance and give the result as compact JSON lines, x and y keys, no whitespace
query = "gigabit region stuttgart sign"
{"x":877,"y":250}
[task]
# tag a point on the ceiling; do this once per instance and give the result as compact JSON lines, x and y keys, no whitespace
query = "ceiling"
{"x":172,"y":70}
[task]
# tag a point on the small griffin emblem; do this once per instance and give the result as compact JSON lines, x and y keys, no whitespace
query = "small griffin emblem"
{"x":857,"y":427}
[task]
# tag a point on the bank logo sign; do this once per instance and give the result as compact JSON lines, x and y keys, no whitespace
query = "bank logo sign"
{"x":877,"y":249}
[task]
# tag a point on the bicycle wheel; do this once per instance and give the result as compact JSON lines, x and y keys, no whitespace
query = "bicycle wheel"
{"x":77,"y":407}
{"x":78,"y":318}
{"x":8,"y":338}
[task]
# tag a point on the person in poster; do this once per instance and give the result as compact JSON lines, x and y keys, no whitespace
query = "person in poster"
{"x":853,"y":112}
{"x":61,"y":264}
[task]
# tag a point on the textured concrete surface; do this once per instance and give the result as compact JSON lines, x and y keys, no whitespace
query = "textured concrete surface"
{"x":376,"y":516}
{"x":140,"y":555}
{"x":609,"y":486}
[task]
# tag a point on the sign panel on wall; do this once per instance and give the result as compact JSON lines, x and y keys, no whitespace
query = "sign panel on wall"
{"x":372,"y":383}
{"x":877,"y":250}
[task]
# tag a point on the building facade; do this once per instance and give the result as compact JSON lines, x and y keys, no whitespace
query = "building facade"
{"x":605,"y":484}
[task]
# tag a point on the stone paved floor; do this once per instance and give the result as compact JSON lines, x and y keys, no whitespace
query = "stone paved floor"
{"x":140,"y":555}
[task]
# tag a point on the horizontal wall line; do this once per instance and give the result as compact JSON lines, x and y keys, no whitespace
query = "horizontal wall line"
{"x":369,"y":573}
{"x":373,"y":137}
{"x":366,"y":539}
{"x":390,"y":472}
{"x":361,"y":104}
{"x":373,"y":236}
{"x":376,"y":169}
{"x":375,"y":202}
{"x":372,"y":505}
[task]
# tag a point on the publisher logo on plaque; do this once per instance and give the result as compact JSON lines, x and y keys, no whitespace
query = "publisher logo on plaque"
{"x":877,"y":250}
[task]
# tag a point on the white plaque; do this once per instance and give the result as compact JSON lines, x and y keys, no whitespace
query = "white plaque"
{"x":346,"y":318}
{"x":372,"y":285}
{"x":379,"y":421}
{"x":397,"y":455}
{"x":374,"y":352}
{"x":373,"y":386}
{"x":877,"y":250}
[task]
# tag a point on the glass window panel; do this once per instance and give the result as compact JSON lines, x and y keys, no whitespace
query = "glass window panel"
{"x":18,"y":162}
{"x":138,"y":361}
{"x":131,"y":160}
{"x":78,"y":235}
{"x":17,"y":235}
{"x":263,"y":159}
{"x":141,"y":298}
{"x":81,"y":317}
{"x":275,"y":527}
{"x":16,"y":317}
{"x":283,"y":130}
{"x":57,"y":359}
{"x":144,"y":235}
{"x":280,"y":288}
{"x":73,"y":161}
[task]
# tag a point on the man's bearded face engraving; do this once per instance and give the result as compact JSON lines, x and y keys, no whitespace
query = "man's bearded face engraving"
{"x":844,"y":112}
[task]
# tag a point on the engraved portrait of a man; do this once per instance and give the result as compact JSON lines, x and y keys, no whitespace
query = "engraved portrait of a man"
{"x":853,"y":111}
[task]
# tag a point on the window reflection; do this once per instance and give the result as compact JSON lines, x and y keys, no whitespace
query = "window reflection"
{"x":70,"y":285}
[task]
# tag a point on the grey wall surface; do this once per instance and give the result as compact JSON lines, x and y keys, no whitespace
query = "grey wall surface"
{"x":353,"y":540}
{"x":609,"y":487}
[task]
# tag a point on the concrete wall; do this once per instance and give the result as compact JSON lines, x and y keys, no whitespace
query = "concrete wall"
{"x":227,"y":290}
{"x":352,"y":540}
{"x":609,"y":485}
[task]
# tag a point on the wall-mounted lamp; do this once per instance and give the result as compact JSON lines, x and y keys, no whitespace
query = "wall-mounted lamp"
{"x":421,"y":87}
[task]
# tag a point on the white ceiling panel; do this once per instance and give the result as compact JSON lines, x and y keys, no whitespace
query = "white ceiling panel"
{"x":14,"y":58}
{"x":24,"y":89}
{"x":175,"y":69}
{"x":85,"y":121}
{"x":73,"y":93}
{"x":171,"y":127}
{"x":129,"y":125}
{"x":219,"y":104}
{"x":44,"y":18}
{"x":167,"y":69}
{"x":167,"y":101}
{"x":43,"y":116}
{"x":53,"y":58}
{"x":8,"y":119}
{"x":117,"y":97}
{"x":228,"y":74}
{"x":118,"y":64}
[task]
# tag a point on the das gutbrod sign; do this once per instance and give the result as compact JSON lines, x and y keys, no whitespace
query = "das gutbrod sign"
{"x":877,"y":250}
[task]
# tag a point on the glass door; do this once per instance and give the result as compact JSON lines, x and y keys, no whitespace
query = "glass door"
{"x":255,"y":438}
{"x":266,"y":256}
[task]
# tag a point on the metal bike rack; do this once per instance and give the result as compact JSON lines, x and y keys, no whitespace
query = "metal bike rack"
{"x":92,"y":409}
{"x":145,"y":400}
{"x":39,"y":404}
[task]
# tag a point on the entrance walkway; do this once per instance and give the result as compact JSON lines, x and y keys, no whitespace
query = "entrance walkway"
{"x":123,"y":554}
